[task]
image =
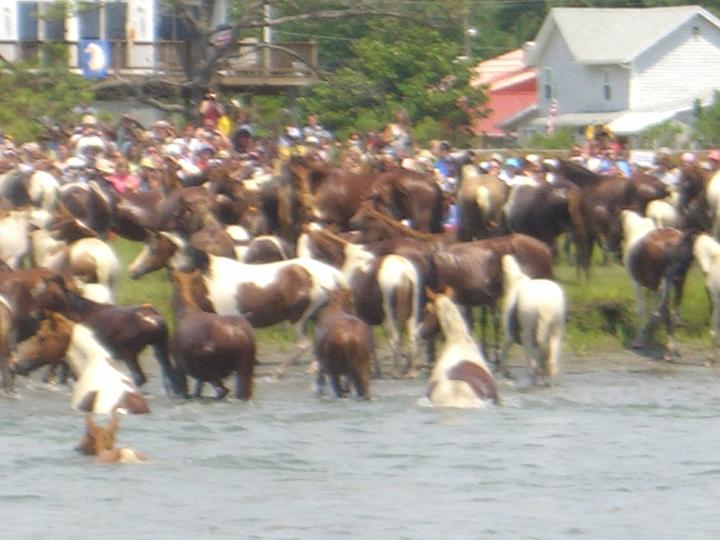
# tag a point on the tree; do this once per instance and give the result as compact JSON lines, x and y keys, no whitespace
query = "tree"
{"x":49,"y":89}
{"x":706,"y":130}
{"x":395,"y":67}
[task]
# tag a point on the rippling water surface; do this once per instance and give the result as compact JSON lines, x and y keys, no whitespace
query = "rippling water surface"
{"x":626,"y":453}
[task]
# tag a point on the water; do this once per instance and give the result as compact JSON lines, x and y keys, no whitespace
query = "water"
{"x":608,"y":453}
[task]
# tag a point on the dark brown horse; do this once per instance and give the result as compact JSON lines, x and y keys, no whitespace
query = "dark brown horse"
{"x":344,"y":346}
{"x":208,"y":346}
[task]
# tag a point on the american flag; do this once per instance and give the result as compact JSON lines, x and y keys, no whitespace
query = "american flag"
{"x":551,"y":117}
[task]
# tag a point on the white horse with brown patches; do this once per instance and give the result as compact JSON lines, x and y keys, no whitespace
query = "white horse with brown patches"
{"x":266,"y":294}
{"x":534,"y":316}
{"x":460,"y":377}
{"x":100,"y":387}
{"x":707,"y":253}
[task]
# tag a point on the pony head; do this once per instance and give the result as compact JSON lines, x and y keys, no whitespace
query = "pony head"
{"x":98,"y":439}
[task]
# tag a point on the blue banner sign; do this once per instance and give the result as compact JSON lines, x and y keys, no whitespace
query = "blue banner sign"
{"x":94,"y":58}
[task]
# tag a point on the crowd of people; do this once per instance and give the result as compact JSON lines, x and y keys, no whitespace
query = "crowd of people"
{"x":129,"y":155}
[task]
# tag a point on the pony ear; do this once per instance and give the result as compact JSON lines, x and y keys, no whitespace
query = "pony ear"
{"x":89,"y":424}
{"x":430,"y":294}
{"x":449,"y":292}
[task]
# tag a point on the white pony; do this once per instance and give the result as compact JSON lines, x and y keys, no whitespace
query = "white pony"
{"x":89,"y":260}
{"x":663,"y":212}
{"x":100,"y":387}
{"x":534,"y":316}
{"x":15,"y":244}
{"x":707,"y":253}
{"x":712,"y":192}
{"x":460,"y":377}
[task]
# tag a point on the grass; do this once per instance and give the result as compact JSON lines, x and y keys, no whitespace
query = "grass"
{"x":601,"y":310}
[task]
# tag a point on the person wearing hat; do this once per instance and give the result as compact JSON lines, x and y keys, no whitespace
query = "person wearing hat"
{"x":211,"y":110}
{"x":714,"y":160}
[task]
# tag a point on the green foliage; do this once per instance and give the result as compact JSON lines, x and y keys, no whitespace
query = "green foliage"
{"x":659,"y":135}
{"x":706,"y":130}
{"x":397,"y":67}
{"x":561,"y":139}
{"x":269,"y":113}
{"x":47,"y":92}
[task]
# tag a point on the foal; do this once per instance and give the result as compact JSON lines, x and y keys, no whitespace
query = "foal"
{"x":344,"y":346}
{"x":460,"y":377}
{"x":99,"y":441}
{"x":534,"y":316}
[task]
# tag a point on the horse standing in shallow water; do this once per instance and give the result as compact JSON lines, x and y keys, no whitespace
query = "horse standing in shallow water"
{"x":99,"y":388}
{"x":460,"y":377}
{"x":657,"y":260}
{"x":344,"y":345}
{"x":534,"y":316}
{"x":208,"y":346}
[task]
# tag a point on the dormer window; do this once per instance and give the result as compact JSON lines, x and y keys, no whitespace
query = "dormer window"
{"x":606,"y":85}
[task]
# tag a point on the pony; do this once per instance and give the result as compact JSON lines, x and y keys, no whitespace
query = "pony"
{"x":99,"y":441}
{"x":344,"y":345}
{"x":460,"y":377}
{"x":266,"y":294}
{"x":657,"y":260}
{"x":534,"y":316}
{"x":480,"y":201}
{"x":208,"y":346}
{"x":100,"y":387}
{"x":386,"y":289}
{"x":707,"y":253}
{"x":14,"y":230}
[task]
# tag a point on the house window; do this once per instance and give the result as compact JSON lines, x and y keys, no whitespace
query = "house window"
{"x":549,"y":89}
{"x":115,"y":16}
{"x":54,"y":29}
{"x":606,"y":85}
{"x":27,"y":21}
{"x":173,"y":27}
{"x":89,"y":17}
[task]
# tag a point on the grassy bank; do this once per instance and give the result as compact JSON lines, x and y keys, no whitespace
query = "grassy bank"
{"x":600,"y":309}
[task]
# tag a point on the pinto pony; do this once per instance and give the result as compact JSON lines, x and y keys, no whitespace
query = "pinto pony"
{"x":534,"y":316}
{"x":460,"y":377}
{"x":100,"y":442}
{"x":100,"y":388}
{"x":344,"y":345}
{"x":658,"y":261}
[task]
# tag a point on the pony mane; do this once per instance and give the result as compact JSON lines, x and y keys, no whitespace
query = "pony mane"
{"x":512,"y":273}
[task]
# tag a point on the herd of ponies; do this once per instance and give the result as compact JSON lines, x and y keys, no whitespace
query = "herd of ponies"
{"x":331,"y":284}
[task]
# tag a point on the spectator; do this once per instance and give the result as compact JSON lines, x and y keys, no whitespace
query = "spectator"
{"x":210,"y":110}
{"x":314,"y":129}
{"x":121,"y":179}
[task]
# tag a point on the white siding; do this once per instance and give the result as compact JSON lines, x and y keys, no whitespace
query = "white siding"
{"x":679,"y":67}
{"x":579,"y":88}
{"x":8,"y":20}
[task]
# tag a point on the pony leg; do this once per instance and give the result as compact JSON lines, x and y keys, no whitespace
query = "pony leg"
{"x":639,"y":341}
{"x":303,"y":344}
{"x":320,"y":382}
{"x":714,"y":328}
{"x":136,"y":372}
{"x":394,"y":335}
{"x":220,"y":390}
{"x":496,"y":330}
{"x":197,"y":393}
{"x":336,"y":386}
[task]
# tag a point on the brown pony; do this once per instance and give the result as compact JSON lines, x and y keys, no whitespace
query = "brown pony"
{"x":208,"y":346}
{"x":344,"y":346}
{"x":100,"y":442}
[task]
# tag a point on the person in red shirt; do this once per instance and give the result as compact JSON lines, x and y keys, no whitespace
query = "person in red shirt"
{"x":211,"y":110}
{"x":121,"y":180}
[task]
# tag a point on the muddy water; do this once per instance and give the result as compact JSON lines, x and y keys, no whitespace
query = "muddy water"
{"x":618,"y":452}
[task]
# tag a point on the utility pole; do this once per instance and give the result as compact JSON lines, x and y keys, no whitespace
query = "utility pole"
{"x":469,"y":32}
{"x":266,"y":39}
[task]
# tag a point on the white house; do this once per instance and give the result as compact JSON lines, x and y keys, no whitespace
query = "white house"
{"x":144,"y":37}
{"x":628,"y":68}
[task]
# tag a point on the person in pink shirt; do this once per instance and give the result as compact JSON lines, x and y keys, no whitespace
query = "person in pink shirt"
{"x":121,"y":180}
